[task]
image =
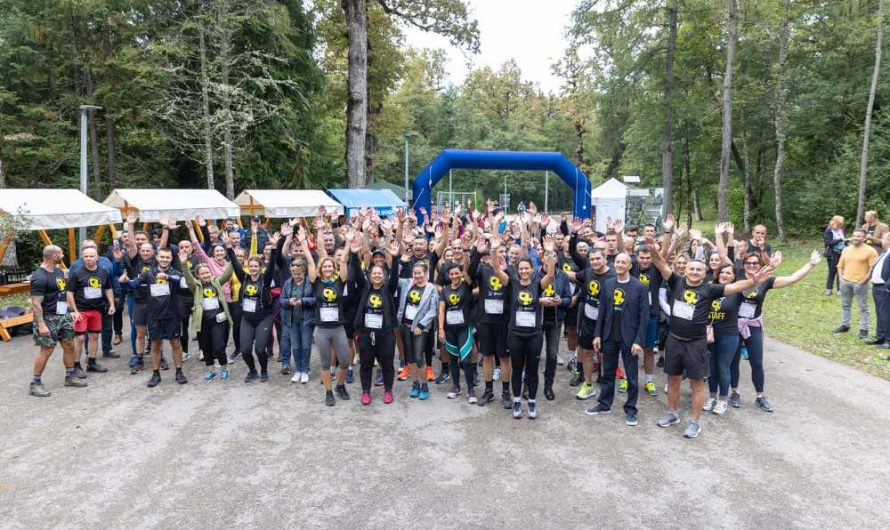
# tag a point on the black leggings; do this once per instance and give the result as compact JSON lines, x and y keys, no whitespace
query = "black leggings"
{"x":255,"y":336}
{"x":832,"y":281}
{"x":414,"y":345}
{"x":235,"y":311}
{"x":457,"y":339}
{"x":185,"y":334}
{"x":525,"y":352}
{"x":378,"y":345}
{"x":212,"y":340}
{"x":754,"y":343}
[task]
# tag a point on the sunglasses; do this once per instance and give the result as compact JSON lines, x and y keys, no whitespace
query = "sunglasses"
{"x":752,"y":264}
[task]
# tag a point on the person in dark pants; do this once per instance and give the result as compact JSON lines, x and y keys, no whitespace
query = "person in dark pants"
{"x":621,"y":332}
{"x":834,"y":239}
{"x":880,"y":291}
{"x":556,"y":300}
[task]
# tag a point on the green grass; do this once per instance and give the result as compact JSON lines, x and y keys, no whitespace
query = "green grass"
{"x":15,"y":299}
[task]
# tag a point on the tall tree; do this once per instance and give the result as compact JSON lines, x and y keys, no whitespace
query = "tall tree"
{"x":667,"y":150}
{"x":731,"y":40}
{"x":863,"y":163}
{"x":781,"y":96}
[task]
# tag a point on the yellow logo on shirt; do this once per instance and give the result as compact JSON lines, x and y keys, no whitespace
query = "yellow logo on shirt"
{"x":329,"y":294}
{"x":60,"y":283}
{"x":690,"y":297}
{"x":549,"y":291}
{"x":375,"y":301}
{"x":453,"y":298}
{"x":209,"y":293}
{"x":566,"y":267}
{"x":94,"y":282}
{"x":414,"y":296}
{"x":715,"y":305}
{"x":525,"y":298}
{"x":618,"y":297}
{"x":251,"y":290}
{"x":644,"y":278}
{"x":495,"y":283}
{"x":593,"y":288}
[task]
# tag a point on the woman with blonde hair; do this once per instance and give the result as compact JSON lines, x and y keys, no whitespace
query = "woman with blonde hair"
{"x":834,"y":244}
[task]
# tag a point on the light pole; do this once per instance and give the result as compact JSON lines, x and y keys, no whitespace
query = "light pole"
{"x":84,"y":110}
{"x":547,"y":191}
{"x":408,"y":134}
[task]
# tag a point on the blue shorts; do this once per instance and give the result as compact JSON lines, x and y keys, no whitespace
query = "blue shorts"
{"x":652,"y":332}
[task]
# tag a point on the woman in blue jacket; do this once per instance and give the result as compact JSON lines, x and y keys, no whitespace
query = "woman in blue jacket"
{"x":297,"y":302}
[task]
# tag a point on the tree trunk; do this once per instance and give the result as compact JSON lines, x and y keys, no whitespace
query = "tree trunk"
{"x":224,"y":50}
{"x":357,"y":84}
{"x":2,"y":175}
{"x":732,"y":37}
{"x":205,"y":111}
{"x":746,"y":172}
{"x":94,"y":135}
{"x":863,"y":164}
{"x":667,"y":152}
{"x":696,"y":206}
{"x":687,"y":170}
{"x":112,"y":154}
{"x":781,"y":94}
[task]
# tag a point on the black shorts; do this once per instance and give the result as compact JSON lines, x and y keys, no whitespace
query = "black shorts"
{"x":492,"y":339}
{"x":689,"y":355}
{"x":166,"y":329}
{"x":140,"y":314}
{"x":585,"y":340}
{"x":571,"y":319}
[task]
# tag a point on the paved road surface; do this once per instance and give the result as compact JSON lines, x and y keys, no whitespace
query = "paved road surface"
{"x":118,"y":455}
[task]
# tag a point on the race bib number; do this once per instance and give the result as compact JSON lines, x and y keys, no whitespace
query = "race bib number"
{"x":248,"y":305}
{"x":591,"y":312}
{"x":210,"y":304}
{"x":747,"y":310}
{"x":329,"y":314}
{"x":454,"y":318}
{"x":183,"y":284}
{"x":494,"y":307}
{"x":92,"y":293}
{"x":160,"y":289}
{"x":525,"y":319}
{"x":683,"y":310}
{"x":410,"y":312}
{"x":61,"y":308}
{"x":220,"y":317}
{"x":373,"y":321}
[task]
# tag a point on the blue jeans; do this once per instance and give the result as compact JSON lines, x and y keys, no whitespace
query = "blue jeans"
{"x":296,"y":339}
{"x":722,"y":351}
{"x":133,"y":358}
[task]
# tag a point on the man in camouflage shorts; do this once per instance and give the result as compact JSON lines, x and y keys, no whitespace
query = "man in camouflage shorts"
{"x":52,"y":321}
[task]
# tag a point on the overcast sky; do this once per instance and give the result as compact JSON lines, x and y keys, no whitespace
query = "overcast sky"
{"x":530,"y":31}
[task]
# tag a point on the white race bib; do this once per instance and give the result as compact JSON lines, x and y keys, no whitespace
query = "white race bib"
{"x":591,"y":312}
{"x":248,"y":305}
{"x":525,"y":319}
{"x":410,"y":312}
{"x":61,"y":308}
{"x":683,"y":310}
{"x":747,"y":310}
{"x":329,"y":314}
{"x":373,"y":321}
{"x":183,"y":284}
{"x":210,"y":304}
{"x":494,"y":307}
{"x":572,"y":288}
{"x":454,"y":317}
{"x":92,"y":293}
{"x":160,"y":289}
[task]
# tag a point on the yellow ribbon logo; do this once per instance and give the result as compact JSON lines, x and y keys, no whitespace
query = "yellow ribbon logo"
{"x":414,"y":296}
{"x":375,"y":301}
{"x":525,"y":298}
{"x":329,"y":294}
{"x":690,"y":297}
{"x":453,"y":298}
{"x":209,"y":293}
{"x":251,"y":289}
{"x":566,"y":267}
{"x":645,"y":279}
{"x":495,"y":283}
{"x":549,"y":291}
{"x":715,"y":305}
{"x":593,"y":288}
{"x":94,"y":282}
{"x":60,"y":283}
{"x":618,"y":297}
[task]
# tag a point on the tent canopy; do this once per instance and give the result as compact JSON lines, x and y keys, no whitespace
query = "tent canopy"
{"x":385,"y":201}
{"x":610,"y":189}
{"x":50,"y":209}
{"x":609,"y":200}
{"x":287,"y":203}
{"x":154,"y":205}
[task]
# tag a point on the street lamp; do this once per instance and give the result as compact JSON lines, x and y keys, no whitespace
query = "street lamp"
{"x":409,"y":134}
{"x":84,"y":109}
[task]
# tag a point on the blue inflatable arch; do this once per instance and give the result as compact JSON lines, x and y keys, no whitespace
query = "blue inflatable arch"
{"x":514,"y":160}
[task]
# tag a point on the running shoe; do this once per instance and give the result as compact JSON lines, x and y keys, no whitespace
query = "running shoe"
{"x":415,"y":390}
{"x":506,"y":399}
{"x":342,"y":393}
{"x":36,"y":389}
{"x":660,"y":363}
{"x":532,"y":410}
{"x":709,"y":405}
{"x":96,"y":367}
{"x":329,"y":399}
{"x":622,"y":386}
{"x":442,"y":377}
{"x":586,"y":391}
{"x":111,"y":355}
{"x":430,"y":374}
{"x":598,"y":410}
{"x":669,"y":418}
{"x":424,"y":392}
{"x":224,"y":374}
{"x":378,"y":378}
{"x":496,"y":375}
{"x":185,"y":356}
{"x":155,"y":380}
{"x":517,"y":410}
{"x":735,"y":400}
{"x":135,"y":369}
{"x":304,"y":378}
{"x":693,"y":429}
{"x":366,"y":398}
{"x":719,"y":407}
{"x":763,"y":404}
{"x":572,"y":365}
{"x":455,"y":391}
{"x":387,"y":397}
{"x":285,"y":370}
{"x":404,"y":372}
{"x":651,"y":388}
{"x":251,"y":377}
{"x":577,"y":378}
{"x":631,"y":420}
{"x":180,"y":377}
{"x":70,"y":380}
{"x":471,"y":396}
{"x":210,"y":375}
{"x":296,"y":378}
{"x":117,"y":340}
{"x":164,"y":364}
{"x":264,"y":376}
{"x":548,"y":393}
{"x":486,"y":398}
{"x":350,"y":377}
{"x":743,"y":352}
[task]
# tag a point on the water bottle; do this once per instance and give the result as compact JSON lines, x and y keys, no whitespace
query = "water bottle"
{"x":743,"y":351}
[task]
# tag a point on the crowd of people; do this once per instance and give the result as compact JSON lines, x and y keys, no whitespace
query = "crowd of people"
{"x":477,"y":289}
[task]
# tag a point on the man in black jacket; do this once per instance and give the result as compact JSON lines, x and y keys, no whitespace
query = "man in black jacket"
{"x":621,"y":332}
{"x":880,"y":283}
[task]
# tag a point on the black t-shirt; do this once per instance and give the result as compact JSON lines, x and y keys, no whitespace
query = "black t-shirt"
{"x":374,"y":308}
{"x":89,"y":288}
{"x":135,"y":267}
{"x":549,"y":312}
{"x":567,"y":264}
{"x":618,"y":300}
{"x":412,"y":304}
{"x":329,"y":303}
{"x":49,"y":285}
{"x":457,"y":305}
{"x":691,"y":307}
{"x":526,"y":316}
{"x":752,"y":304}
{"x":652,"y":280}
{"x":212,"y":302}
{"x":494,"y":302}
{"x":430,"y":257}
{"x":591,"y":283}
{"x":162,"y":300}
{"x":724,"y":314}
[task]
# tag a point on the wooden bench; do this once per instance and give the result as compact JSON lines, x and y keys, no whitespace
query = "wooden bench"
{"x":6,"y":290}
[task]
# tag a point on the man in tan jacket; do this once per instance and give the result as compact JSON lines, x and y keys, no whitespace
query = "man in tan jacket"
{"x":874,"y":230}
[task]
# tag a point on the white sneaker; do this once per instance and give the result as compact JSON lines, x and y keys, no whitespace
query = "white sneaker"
{"x":719,"y":407}
{"x":497,"y":374}
{"x":709,"y":404}
{"x":296,"y":377}
{"x":304,"y":377}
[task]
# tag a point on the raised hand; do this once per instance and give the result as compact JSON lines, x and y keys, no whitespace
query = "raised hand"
{"x":694,"y":233}
{"x":720,"y":229}
{"x":815,"y":258}
{"x":200,"y":220}
{"x":183,"y":255}
{"x":286,"y":229}
{"x":481,"y":245}
{"x":730,"y":229}
{"x":776,"y":259}
{"x":171,"y":223}
{"x":668,"y":222}
{"x":548,"y":243}
{"x":394,"y":248}
{"x":131,"y":217}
